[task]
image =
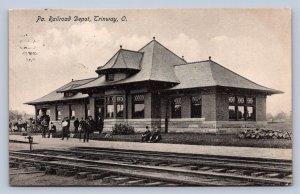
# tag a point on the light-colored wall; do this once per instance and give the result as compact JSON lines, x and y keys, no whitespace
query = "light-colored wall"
{"x":261,"y":108}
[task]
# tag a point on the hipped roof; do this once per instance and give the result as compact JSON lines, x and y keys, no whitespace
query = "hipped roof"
{"x":56,"y":95}
{"x":123,"y":60}
{"x":157,"y":64}
{"x":209,"y":73}
{"x":154,"y":62}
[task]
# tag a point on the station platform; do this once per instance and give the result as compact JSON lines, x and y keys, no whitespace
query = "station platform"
{"x":57,"y":143}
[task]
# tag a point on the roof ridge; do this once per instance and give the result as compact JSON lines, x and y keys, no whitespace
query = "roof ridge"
{"x":131,"y":51}
{"x":83,"y":79}
{"x":118,"y":54}
{"x":169,"y":50}
{"x":190,"y":63}
{"x":108,"y":60}
{"x":62,"y":88}
{"x":211,"y":72}
{"x":121,"y":55}
{"x":145,"y":45}
{"x":151,"y":72}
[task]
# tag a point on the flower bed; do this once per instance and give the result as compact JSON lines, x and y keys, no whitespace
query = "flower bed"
{"x":265,"y":134}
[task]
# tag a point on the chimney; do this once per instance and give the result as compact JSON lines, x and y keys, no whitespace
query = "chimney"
{"x":72,"y":79}
{"x":209,"y":58}
{"x":153,"y":37}
{"x":120,"y":46}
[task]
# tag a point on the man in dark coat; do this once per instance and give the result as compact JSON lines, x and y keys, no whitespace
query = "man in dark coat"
{"x":52,"y":129}
{"x":92,"y":124}
{"x":76,"y":125}
{"x":86,"y":130}
{"x":66,"y":128}
{"x":45,"y":119}
{"x":81,"y":125}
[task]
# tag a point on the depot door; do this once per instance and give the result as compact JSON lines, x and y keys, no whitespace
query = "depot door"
{"x":99,"y":108}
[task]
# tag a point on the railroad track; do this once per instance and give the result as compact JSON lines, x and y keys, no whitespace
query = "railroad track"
{"x":144,"y":168}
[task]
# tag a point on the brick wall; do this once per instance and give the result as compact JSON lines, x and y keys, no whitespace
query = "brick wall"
{"x":222,"y":104}
{"x":138,"y":124}
{"x":261,"y":108}
{"x":79,"y":110}
{"x":209,"y":107}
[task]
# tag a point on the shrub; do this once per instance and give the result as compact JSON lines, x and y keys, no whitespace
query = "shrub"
{"x":264,"y":134}
{"x":122,"y":129}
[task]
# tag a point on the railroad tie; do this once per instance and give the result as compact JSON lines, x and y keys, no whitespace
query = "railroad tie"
{"x":60,"y":172}
{"x":193,"y":167}
{"x":100,"y":175}
{"x":176,"y":165}
{"x":232,"y":171}
{"x":108,"y":178}
{"x":50,"y":170}
{"x":219,"y":170}
{"x":157,"y":183}
{"x":273,"y":175}
{"x":205,"y":168}
{"x":290,"y":176}
{"x":256,"y":174}
{"x":13,"y":164}
{"x":81,"y":175}
{"x":136,"y":182}
{"x":119,"y":180}
{"x":69,"y":173}
{"x":30,"y":169}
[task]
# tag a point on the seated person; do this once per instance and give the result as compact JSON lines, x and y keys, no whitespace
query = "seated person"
{"x":156,"y":136}
{"x":146,"y":135}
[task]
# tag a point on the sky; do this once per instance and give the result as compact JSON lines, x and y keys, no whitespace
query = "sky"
{"x":44,"y":55}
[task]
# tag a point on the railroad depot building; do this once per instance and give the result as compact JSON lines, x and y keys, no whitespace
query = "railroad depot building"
{"x":155,"y":87}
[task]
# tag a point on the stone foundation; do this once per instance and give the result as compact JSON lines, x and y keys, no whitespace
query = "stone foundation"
{"x":138,"y":124}
{"x":184,"y":125}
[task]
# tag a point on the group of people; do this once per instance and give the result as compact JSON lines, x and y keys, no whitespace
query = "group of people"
{"x":84,"y":127}
{"x":153,"y":137}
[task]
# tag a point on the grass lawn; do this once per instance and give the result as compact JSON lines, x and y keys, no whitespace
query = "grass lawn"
{"x":209,"y":139}
{"x":205,"y":139}
{"x":212,"y":139}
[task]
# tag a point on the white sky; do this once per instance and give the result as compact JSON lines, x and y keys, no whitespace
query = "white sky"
{"x":254,"y":43}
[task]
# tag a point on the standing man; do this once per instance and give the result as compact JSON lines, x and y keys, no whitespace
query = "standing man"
{"x":66,"y":128}
{"x":86,"y":127}
{"x":81,"y":125}
{"x":76,"y":125}
{"x":92,"y":124}
{"x":45,"y":119}
{"x":52,"y":129}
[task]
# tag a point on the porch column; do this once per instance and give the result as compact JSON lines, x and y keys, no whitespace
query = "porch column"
{"x":92,"y":107}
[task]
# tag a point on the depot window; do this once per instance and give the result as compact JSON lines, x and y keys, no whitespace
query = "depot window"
{"x":196,"y":107}
{"x":110,"y":107}
{"x":110,"y":77}
{"x":176,"y":107}
{"x":138,"y":106}
{"x":241,"y":108}
{"x":120,"y":106}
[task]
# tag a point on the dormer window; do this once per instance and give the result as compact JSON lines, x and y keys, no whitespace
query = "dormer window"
{"x":110,"y":77}
{"x":69,"y":94}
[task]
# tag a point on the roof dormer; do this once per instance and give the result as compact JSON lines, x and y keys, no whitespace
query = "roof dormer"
{"x":124,"y":61}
